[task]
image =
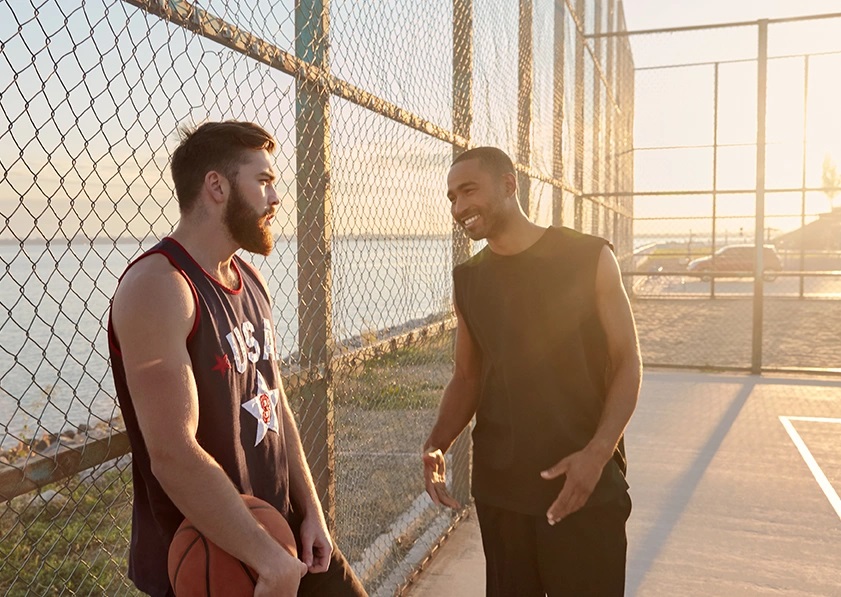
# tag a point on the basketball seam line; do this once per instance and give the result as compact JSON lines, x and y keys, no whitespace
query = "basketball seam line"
{"x":206,"y":564}
{"x":183,"y":556}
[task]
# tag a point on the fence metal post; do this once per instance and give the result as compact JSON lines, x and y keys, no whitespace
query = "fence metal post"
{"x":621,"y":157}
{"x":630,"y":130}
{"x":579,"y":117}
{"x":595,"y":208}
{"x":558,"y":113}
{"x":524,"y":100}
{"x":715,"y":172}
{"x":759,"y":232}
{"x":462,"y":449}
{"x":611,"y":222}
{"x":625,"y":163}
{"x":314,"y":207}
{"x":625,"y":245}
{"x":802,"y":234}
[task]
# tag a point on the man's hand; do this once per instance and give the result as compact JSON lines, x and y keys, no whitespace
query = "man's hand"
{"x":435,"y":477}
{"x":316,"y":544}
{"x":583,"y":470}
{"x":282,"y":577}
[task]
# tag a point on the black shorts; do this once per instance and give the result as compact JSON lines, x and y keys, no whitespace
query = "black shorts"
{"x":339,"y":580}
{"x":582,"y":555}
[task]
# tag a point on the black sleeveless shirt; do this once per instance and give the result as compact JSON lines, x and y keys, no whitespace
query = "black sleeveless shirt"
{"x":234,"y":359}
{"x":544,"y":367}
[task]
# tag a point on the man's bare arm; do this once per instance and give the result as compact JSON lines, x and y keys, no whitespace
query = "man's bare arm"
{"x":316,"y":543}
{"x":584,"y":468}
{"x":461,"y":396}
{"x":458,"y":405}
{"x":153,"y":312}
{"x":614,"y":310}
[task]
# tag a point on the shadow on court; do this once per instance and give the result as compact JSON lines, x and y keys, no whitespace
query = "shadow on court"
{"x":680,"y":493}
{"x":724,"y":504}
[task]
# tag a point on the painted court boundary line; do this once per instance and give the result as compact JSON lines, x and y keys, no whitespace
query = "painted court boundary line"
{"x":813,"y":465}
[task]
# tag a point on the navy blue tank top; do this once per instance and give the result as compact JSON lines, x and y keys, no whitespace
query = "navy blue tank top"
{"x":235,"y":361}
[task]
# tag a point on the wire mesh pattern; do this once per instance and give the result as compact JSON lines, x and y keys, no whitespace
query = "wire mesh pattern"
{"x":368,"y":103}
{"x":737,"y":145}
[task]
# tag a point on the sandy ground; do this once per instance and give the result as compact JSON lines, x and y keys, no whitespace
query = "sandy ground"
{"x":703,"y":332}
{"x":378,"y":471}
{"x":383,"y":413}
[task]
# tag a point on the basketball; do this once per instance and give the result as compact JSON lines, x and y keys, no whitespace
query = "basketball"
{"x":198,"y":567}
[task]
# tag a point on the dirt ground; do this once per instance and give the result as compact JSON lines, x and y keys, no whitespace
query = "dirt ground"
{"x":718,"y":332}
{"x":378,"y":471}
{"x":383,"y":412}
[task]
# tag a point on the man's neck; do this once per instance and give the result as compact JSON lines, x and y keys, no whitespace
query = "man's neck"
{"x":211,"y":247}
{"x":518,"y":236}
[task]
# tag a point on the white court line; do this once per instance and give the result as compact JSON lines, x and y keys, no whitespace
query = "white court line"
{"x":813,"y":465}
{"x":813,"y":419}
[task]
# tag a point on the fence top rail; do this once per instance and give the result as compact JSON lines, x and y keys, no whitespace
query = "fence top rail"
{"x":738,"y":60}
{"x":38,"y":470}
{"x":738,"y":273}
{"x":730,"y":25}
{"x":686,"y":192}
{"x":704,"y":146}
{"x":189,"y":16}
{"x":579,"y":26}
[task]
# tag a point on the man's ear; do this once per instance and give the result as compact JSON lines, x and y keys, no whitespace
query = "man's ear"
{"x":217,"y":186}
{"x":509,"y":180}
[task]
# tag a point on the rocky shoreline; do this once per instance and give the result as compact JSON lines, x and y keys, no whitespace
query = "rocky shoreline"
{"x":50,"y":444}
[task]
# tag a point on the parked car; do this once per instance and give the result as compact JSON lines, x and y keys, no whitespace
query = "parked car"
{"x":738,"y":260}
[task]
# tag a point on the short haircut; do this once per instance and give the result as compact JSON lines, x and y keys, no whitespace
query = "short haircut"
{"x":490,"y":158}
{"x":213,"y":146}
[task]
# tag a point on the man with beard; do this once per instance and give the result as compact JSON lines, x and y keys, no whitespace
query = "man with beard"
{"x":547,"y":359}
{"x":195,"y":367}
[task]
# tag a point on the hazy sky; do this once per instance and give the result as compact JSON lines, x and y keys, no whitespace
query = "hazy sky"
{"x":650,"y":14}
{"x":80,"y":131}
{"x":674,"y":107}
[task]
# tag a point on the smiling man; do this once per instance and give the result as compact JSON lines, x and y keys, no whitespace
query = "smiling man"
{"x":195,"y":367}
{"x":547,"y":360}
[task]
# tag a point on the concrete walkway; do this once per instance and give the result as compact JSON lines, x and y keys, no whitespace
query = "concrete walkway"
{"x":459,"y":566}
{"x":735,"y":481}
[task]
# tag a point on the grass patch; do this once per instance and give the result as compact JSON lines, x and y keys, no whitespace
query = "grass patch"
{"x":411,"y":378}
{"x":370,"y":496}
{"x":76,"y":542}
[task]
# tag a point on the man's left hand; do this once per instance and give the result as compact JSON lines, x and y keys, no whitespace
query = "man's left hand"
{"x":583,"y":470}
{"x":316,"y":544}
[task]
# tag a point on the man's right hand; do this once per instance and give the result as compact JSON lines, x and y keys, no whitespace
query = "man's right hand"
{"x":435,"y":477}
{"x":282,"y":578}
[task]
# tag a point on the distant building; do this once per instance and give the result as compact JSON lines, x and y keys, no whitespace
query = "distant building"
{"x":824,"y":234}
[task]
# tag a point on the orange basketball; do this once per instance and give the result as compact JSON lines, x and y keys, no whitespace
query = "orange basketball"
{"x":198,"y":567}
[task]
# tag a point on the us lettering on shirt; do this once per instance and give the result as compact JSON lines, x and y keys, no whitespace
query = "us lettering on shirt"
{"x":246,"y":348}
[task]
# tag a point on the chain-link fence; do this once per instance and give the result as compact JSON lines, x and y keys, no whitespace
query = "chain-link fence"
{"x":737,"y":137}
{"x":369,"y":102}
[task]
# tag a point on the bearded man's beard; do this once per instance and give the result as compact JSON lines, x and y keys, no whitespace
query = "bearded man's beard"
{"x":247,"y":226}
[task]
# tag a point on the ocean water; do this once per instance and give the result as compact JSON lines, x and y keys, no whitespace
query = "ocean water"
{"x":54,"y":372}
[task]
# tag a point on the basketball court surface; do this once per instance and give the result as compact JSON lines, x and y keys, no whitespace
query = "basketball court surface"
{"x":735,"y":481}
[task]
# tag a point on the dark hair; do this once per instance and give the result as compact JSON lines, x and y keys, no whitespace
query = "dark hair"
{"x":490,"y":158}
{"x":219,"y":146}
